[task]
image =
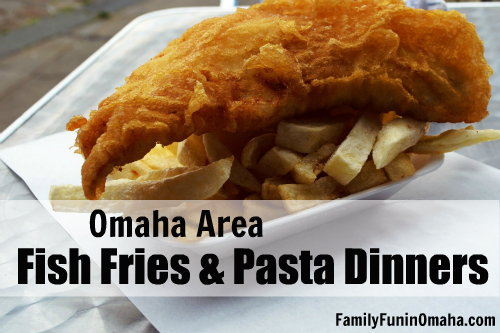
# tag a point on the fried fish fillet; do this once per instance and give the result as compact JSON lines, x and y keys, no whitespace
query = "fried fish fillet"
{"x":284,"y":58}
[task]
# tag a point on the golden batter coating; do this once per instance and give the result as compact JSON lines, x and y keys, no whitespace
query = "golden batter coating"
{"x":284,"y":58}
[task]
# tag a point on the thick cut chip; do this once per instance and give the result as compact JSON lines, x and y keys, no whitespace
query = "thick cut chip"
{"x":235,"y":142}
{"x":395,"y":137}
{"x":130,"y":171}
{"x":254,"y":196}
{"x":72,"y":192}
{"x":452,"y":140}
{"x":278,"y":162}
{"x":226,"y":193}
{"x":166,"y":173}
{"x":306,"y":135}
{"x":75,"y":192}
{"x":325,"y":188}
{"x":231,"y":189}
{"x":419,"y":160}
{"x":353,"y":152}
{"x":191,"y":152}
{"x":160,"y":158}
{"x":303,"y":196}
{"x":195,"y":185}
{"x":239,"y":174}
{"x":306,"y":171}
{"x":221,"y":195}
{"x":400,"y":167}
{"x":270,"y":187}
{"x":199,"y":184}
{"x":173,"y":148}
{"x":368,"y":177}
{"x":256,"y":148}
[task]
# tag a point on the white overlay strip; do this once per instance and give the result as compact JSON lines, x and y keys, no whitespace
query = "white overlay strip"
{"x":337,"y":248}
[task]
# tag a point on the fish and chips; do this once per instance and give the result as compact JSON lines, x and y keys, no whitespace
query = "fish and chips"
{"x":288,"y":100}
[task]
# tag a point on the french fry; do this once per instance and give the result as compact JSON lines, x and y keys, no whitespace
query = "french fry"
{"x":195,"y":185}
{"x":231,"y":189}
{"x":400,"y":167}
{"x":270,"y":187}
{"x":306,"y":171}
{"x":395,"y":137}
{"x":297,"y":196}
{"x":256,"y":148}
{"x":165,"y":173}
{"x":130,"y":171}
{"x":398,"y":146}
{"x":161,"y":158}
{"x":158,"y":158}
{"x":254,"y":196}
{"x":277,"y":162}
{"x":368,"y":177}
{"x":452,"y":140}
{"x":191,"y":152}
{"x":353,"y":152}
{"x":325,"y":188}
{"x":419,"y":160}
{"x":74,"y":192}
{"x":235,"y":142}
{"x":239,"y":174}
{"x":306,"y":135}
{"x":173,"y":148}
{"x":220,"y":195}
{"x":199,"y":184}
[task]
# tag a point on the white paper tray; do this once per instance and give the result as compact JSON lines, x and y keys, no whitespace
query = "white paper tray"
{"x":310,"y":218}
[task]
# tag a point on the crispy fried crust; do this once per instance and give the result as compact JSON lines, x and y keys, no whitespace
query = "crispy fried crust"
{"x":283,"y":58}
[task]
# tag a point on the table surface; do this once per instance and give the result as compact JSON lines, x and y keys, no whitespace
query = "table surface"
{"x":80,"y":93}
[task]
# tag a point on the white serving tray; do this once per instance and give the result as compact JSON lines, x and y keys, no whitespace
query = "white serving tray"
{"x":310,"y":218}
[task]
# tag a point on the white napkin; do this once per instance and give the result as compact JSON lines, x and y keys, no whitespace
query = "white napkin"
{"x":50,"y":161}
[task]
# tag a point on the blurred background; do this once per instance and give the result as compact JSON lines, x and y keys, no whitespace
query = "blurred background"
{"x":42,"y":41}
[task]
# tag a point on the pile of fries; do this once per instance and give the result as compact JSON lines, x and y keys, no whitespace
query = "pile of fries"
{"x":323,"y":157}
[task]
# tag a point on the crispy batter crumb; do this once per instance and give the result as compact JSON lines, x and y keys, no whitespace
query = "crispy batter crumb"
{"x":76,"y":122}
